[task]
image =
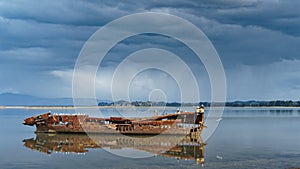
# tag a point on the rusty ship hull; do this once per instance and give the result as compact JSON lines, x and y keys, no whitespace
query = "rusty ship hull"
{"x":178,"y":123}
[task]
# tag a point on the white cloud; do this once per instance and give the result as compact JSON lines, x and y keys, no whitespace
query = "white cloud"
{"x":140,"y":87}
{"x":9,"y":90}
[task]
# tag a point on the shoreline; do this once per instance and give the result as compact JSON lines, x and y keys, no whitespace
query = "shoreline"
{"x":128,"y":107}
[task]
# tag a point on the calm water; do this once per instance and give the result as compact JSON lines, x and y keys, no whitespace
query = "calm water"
{"x":246,"y":138}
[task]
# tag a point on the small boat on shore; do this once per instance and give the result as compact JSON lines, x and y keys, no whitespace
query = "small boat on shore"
{"x":180,"y":122}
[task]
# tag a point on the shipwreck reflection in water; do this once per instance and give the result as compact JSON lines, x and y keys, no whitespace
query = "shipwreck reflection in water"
{"x":166,"y":145}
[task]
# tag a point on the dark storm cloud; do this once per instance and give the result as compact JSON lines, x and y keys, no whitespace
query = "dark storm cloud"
{"x":28,"y":40}
{"x":255,"y":45}
{"x":61,"y":12}
{"x":40,"y":40}
{"x":126,"y":47}
{"x":281,"y":15}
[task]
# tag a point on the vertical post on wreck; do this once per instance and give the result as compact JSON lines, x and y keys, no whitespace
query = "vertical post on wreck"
{"x":199,"y":113}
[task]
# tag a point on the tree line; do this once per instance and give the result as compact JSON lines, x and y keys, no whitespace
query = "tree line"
{"x":252,"y":103}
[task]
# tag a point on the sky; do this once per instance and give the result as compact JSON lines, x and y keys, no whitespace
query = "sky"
{"x":258,"y":42}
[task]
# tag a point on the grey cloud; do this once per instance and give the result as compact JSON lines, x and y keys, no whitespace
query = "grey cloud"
{"x":282,"y":15}
{"x":61,"y":12}
{"x":254,"y":45}
{"x":249,"y":45}
{"x":236,"y":44}
{"x":279,"y":15}
{"x":20,"y":33}
{"x":144,"y":41}
{"x":29,"y":42}
{"x":38,"y":37}
{"x":278,"y":80}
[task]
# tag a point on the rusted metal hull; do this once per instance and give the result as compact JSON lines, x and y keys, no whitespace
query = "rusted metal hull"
{"x":178,"y":123}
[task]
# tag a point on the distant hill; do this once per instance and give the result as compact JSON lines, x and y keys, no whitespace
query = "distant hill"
{"x":10,"y":99}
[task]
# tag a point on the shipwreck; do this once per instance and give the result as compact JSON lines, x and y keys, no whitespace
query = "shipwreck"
{"x":179,"y":122}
